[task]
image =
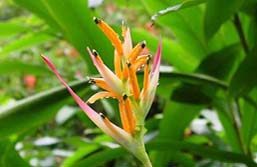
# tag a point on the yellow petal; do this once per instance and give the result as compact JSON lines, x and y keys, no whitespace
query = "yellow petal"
{"x":135,"y":52}
{"x":111,"y":35}
{"x":101,"y":95}
{"x":133,"y":81}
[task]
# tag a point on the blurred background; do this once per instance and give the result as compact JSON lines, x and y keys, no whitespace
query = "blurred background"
{"x":204,"y":112}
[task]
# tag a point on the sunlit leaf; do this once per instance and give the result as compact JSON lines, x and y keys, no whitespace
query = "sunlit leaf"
{"x":34,"y":110}
{"x":8,"y":29}
{"x":15,"y":66}
{"x":24,"y":42}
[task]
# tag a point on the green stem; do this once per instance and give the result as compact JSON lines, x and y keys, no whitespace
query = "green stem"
{"x":140,"y":151}
{"x":236,"y":126}
{"x":142,"y":155}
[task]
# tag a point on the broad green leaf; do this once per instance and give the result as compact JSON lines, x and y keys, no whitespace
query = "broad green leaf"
{"x":245,"y":78}
{"x":172,"y":51}
{"x":79,"y":154}
{"x":221,"y":106}
{"x":186,"y":24}
{"x":172,"y":129}
{"x":8,"y":29}
{"x":249,"y":118}
{"x":251,"y":35}
{"x":190,"y":93}
{"x":174,"y":8}
{"x":167,"y":78}
{"x":227,"y":35}
{"x":77,"y":25}
{"x":34,"y":110}
{"x":222,"y":63}
{"x":101,"y":157}
{"x":249,"y":7}
{"x":213,"y":153}
{"x":24,"y":42}
{"x":9,"y":67}
{"x":217,"y":12}
{"x":9,"y":157}
{"x":201,"y":150}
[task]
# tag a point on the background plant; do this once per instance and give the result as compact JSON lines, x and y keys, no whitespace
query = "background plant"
{"x":205,"y":110}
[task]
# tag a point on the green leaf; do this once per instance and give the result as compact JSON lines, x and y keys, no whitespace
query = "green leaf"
{"x":79,"y":154}
{"x":172,"y":129}
{"x":244,"y":78}
{"x":35,"y":110}
{"x":201,"y":150}
{"x":218,"y":12}
{"x":25,"y":42}
{"x":101,"y":157}
{"x":186,"y":25}
{"x":221,"y":106}
{"x":15,"y":66}
{"x":77,"y":25}
{"x":190,"y":93}
{"x":172,"y":51}
{"x":8,"y":29}
{"x":249,"y":118}
{"x":174,"y":8}
{"x":167,"y":78}
{"x":221,"y":64}
{"x":9,"y":157}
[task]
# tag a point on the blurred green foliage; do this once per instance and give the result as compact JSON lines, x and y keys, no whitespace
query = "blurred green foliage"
{"x":206,"y":103}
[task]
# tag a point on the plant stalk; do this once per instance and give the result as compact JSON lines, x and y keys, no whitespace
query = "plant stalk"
{"x":142,"y":155}
{"x":240,"y":32}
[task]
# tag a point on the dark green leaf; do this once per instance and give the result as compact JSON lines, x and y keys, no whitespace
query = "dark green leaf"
{"x":190,"y":93}
{"x":9,"y":157}
{"x":249,"y":120}
{"x":222,"y":63}
{"x":204,"y":151}
{"x":217,"y":12}
{"x":244,"y":78}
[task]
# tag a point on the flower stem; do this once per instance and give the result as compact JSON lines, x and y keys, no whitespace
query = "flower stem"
{"x":145,"y":160}
{"x":140,"y":151}
{"x":142,"y":155}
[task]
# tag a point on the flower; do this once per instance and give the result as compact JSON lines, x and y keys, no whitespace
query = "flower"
{"x":122,"y":84}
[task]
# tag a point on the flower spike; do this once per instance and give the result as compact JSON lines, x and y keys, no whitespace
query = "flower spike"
{"x":133,"y":102}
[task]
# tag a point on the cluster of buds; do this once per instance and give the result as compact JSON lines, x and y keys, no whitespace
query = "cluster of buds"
{"x":122,"y":84}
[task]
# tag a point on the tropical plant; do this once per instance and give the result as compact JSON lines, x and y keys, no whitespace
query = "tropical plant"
{"x":204,"y":111}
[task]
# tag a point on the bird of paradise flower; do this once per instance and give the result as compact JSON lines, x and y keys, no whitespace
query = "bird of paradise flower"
{"x":122,"y":84}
